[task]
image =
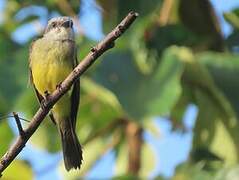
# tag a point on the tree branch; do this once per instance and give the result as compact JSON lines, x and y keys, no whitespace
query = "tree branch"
{"x":97,"y":51}
{"x":135,"y":141}
{"x":19,"y":125}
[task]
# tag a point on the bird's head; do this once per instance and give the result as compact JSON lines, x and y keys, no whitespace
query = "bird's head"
{"x":59,"y":28}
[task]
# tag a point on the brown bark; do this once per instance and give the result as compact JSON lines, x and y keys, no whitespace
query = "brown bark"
{"x":134,"y":138}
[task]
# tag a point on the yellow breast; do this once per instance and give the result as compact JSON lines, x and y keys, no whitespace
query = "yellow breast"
{"x":51,"y":63}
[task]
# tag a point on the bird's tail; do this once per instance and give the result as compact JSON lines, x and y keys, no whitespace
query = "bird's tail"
{"x":71,"y":147}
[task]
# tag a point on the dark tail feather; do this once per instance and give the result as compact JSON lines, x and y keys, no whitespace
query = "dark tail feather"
{"x":71,"y":147}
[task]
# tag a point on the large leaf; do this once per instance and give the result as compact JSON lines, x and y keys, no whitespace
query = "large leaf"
{"x":142,"y":95}
{"x":214,"y":128}
{"x":216,"y":120}
{"x":224,"y":69}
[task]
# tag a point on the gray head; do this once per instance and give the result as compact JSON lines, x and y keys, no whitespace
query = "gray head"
{"x":60,"y":27}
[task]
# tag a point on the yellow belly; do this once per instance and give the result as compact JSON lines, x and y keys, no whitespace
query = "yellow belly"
{"x":46,"y":77}
{"x":51,"y":63}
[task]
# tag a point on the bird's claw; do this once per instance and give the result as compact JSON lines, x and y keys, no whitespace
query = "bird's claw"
{"x":46,"y":93}
{"x":58,"y":86}
{"x":43,"y":103}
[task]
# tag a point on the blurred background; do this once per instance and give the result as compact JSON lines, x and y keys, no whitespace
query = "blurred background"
{"x":162,"y":104}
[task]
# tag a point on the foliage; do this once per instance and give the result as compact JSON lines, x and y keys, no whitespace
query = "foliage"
{"x":174,"y":55}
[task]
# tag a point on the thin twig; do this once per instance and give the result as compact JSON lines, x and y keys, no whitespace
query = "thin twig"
{"x":9,"y":116}
{"x":19,"y":125}
{"x":97,"y":51}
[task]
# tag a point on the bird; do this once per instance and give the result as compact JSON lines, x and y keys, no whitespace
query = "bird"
{"x":51,"y":59}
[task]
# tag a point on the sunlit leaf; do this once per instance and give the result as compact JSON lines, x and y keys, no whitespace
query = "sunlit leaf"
{"x":192,"y":172}
{"x":147,"y":166}
{"x":233,"y":18}
{"x":18,"y":170}
{"x":231,"y":173}
{"x":214,"y":128}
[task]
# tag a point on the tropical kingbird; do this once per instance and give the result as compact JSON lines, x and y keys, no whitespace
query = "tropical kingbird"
{"x":52,"y":58}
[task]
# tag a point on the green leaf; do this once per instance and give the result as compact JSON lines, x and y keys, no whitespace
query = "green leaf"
{"x":214,"y":128}
{"x":199,"y":16}
{"x":147,"y":166}
{"x":12,"y":66}
{"x":216,"y":122}
{"x":121,"y":160}
{"x":149,"y":125}
{"x":3,"y":105}
{"x":178,"y":110}
{"x":187,"y":171}
{"x":27,"y":103}
{"x":18,"y":170}
{"x":98,"y":108}
{"x":117,"y":9}
{"x":6,"y":136}
{"x":143,"y":95}
{"x":231,"y":173}
{"x":232,"y":18}
{"x":224,"y":69}
{"x":232,"y":40}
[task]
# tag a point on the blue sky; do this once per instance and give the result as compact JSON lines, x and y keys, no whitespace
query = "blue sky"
{"x":164,"y":147}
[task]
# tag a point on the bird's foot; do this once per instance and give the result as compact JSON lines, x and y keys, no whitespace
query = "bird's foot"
{"x":43,"y":103}
{"x":46,"y":95}
{"x":59,"y":87}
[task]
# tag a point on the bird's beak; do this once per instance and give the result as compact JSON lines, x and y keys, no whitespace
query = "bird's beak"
{"x":67,"y":24}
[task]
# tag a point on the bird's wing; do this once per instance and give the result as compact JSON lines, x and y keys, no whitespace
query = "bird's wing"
{"x":39,"y":96}
{"x":30,"y":79}
{"x":75,"y":96}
